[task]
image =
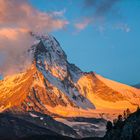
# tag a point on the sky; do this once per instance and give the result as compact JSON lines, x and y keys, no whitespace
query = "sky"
{"x":97,"y":35}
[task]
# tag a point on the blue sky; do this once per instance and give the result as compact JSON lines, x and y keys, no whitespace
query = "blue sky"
{"x":106,"y":48}
{"x":102,"y":35}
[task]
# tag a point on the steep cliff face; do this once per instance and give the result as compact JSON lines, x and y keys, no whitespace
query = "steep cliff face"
{"x":51,"y":61}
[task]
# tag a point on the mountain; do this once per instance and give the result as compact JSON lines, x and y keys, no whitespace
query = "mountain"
{"x":137,"y":86}
{"x":54,"y":87}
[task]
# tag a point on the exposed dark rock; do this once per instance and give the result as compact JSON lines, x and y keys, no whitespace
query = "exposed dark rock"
{"x":23,"y":125}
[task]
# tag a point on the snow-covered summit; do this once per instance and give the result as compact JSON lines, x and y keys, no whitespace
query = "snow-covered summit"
{"x":49,"y":55}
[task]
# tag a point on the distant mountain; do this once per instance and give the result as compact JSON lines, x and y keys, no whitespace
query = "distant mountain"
{"x":54,"y":87}
{"x":137,"y":86}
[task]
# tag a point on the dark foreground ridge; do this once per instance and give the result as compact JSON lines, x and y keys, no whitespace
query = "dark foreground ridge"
{"x":48,"y":137}
{"x":17,"y":126}
{"x":20,"y":127}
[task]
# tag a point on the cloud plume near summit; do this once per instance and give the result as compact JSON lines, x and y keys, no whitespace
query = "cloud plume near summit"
{"x":17,"y":19}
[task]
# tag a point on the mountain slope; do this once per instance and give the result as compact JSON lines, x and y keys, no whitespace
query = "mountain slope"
{"x":105,"y":93}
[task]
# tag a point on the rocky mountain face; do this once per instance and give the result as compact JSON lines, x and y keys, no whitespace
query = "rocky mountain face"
{"x":54,"y":87}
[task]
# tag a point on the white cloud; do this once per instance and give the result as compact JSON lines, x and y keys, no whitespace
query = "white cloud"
{"x":17,"y":19}
{"x":123,"y":27}
{"x":82,"y":25}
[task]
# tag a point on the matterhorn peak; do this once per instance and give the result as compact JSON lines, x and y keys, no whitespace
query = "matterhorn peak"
{"x":56,"y":87}
{"x":49,"y":56}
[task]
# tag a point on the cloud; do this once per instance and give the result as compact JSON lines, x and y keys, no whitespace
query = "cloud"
{"x":13,"y":50}
{"x":11,"y":34}
{"x":97,"y":11}
{"x":82,"y":25}
{"x":123,"y":27}
{"x":59,"y":13}
{"x":89,"y":3}
{"x":21,"y":14}
{"x":17,"y":19}
{"x":99,"y":7}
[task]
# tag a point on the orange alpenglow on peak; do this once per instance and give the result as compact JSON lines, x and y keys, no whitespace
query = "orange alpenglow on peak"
{"x":52,"y":83}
